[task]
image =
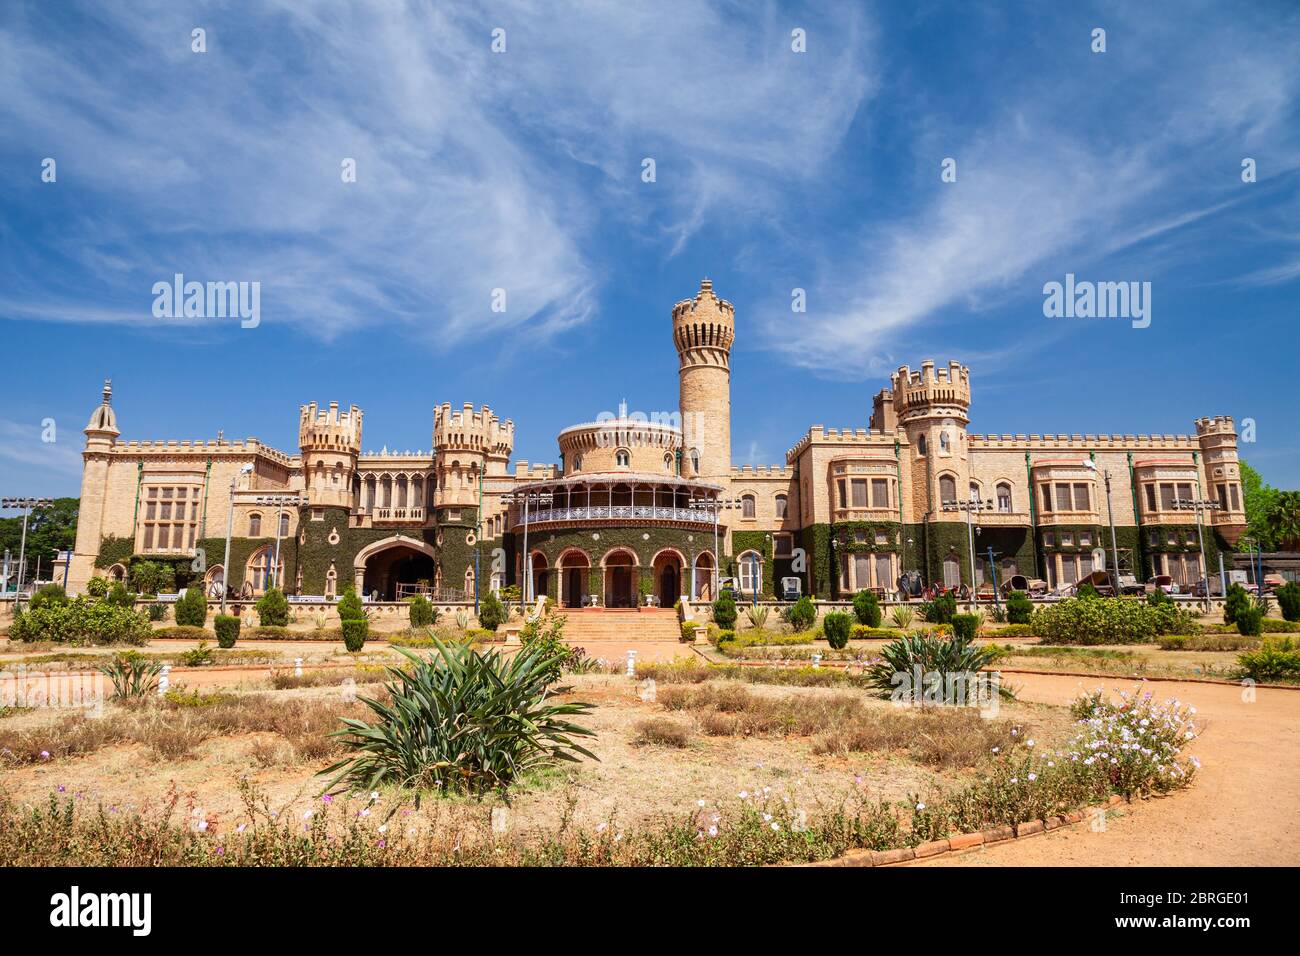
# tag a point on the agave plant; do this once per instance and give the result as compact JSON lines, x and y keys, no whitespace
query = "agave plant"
{"x":901,"y":617}
{"x":462,"y":721}
{"x":928,"y":668}
{"x":462,"y":619}
{"x":757,"y":616}
{"x":132,"y":675}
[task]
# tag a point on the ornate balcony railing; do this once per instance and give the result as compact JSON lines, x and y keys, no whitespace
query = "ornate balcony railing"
{"x":397,"y":514}
{"x":620,"y":513}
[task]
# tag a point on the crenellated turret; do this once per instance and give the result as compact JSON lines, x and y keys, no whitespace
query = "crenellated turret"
{"x":704,"y":328}
{"x":330,"y":442}
{"x":468,"y":443}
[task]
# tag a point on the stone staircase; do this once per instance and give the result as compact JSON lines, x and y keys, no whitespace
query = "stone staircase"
{"x":589,"y":626}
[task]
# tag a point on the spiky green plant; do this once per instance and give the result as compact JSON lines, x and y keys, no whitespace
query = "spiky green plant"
{"x":901,"y":617}
{"x":947,"y":667}
{"x":757,"y":616}
{"x":462,"y":721}
{"x":132,"y":675}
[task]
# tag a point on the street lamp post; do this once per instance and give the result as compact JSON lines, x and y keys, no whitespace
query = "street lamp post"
{"x":279,"y":501}
{"x":27,"y":504}
{"x":714,"y":505}
{"x":1200,"y":505}
{"x":230,"y":528}
{"x":972,"y":505}
{"x":1110,"y":514}
{"x":526,"y":564}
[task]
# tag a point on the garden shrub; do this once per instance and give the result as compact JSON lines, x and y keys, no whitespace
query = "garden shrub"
{"x":1288,"y":599}
{"x":491,"y":613}
{"x":724,"y":610}
{"x":354,"y":634}
{"x":422,"y":612}
{"x":964,"y":626}
{"x":273,"y":608}
{"x":192,"y":608}
{"x":941,"y":609}
{"x":119,"y":595}
{"x":49,"y":595}
{"x":866,"y":608}
{"x":97,"y":587}
{"x":688,"y":631}
{"x":949,"y":668}
{"x":461,"y":721}
{"x":180,"y":632}
{"x":1086,"y":592}
{"x":1249,"y":620}
{"x":1236,"y":601}
{"x":1207,"y":642}
{"x":863,"y":633}
{"x":227,"y":626}
{"x":1158,"y":596}
{"x":801,"y":614}
{"x":1110,"y":621}
{"x":157,"y":611}
{"x":350,"y":607}
{"x":81,"y":621}
{"x":132,"y":675}
{"x":1010,"y":630}
{"x":1019,"y":608}
{"x":836,"y":626}
{"x":1276,"y":659}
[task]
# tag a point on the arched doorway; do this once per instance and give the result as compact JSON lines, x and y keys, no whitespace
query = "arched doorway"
{"x":539,"y":584}
{"x":951,"y":571}
{"x":381,"y":567}
{"x":668,"y":577}
{"x":261,"y":573}
{"x":619,"y":568}
{"x":575,"y":568}
{"x":704,"y":577}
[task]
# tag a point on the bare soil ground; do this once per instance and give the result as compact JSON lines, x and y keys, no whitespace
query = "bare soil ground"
{"x":631,"y":782}
{"x":1241,"y":811}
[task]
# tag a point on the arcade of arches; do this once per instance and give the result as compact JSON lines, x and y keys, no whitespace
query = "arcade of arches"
{"x":619,"y":577}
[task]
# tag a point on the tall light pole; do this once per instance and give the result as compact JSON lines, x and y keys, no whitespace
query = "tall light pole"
{"x":715,"y":505}
{"x":972,"y":505}
{"x":230,"y":527}
{"x":1200,"y":505}
{"x":27,"y":504}
{"x":1110,"y":513}
{"x":279,"y":501}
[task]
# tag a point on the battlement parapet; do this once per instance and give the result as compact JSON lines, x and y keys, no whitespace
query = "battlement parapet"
{"x":329,"y":429}
{"x":470,"y":429}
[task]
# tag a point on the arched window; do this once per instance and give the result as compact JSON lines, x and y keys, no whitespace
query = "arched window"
{"x":750,"y":566}
{"x":747,"y":508}
{"x":975,"y":491}
{"x":1004,"y":498}
{"x":695,"y":460}
{"x":622,"y":458}
{"x":951,"y":571}
{"x":947,"y":489}
{"x":921,"y":445}
{"x":255,"y":525}
{"x":945,"y":443}
{"x":781,"y":503}
{"x":577,"y":462}
{"x":668,"y":464}
{"x":284,"y":525}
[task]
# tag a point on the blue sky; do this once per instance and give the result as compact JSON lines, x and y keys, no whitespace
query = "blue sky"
{"x":522,"y":170}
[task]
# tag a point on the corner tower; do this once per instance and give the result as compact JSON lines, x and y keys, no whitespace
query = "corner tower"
{"x":330,"y":442}
{"x":703,"y":330}
{"x":467,"y":444}
{"x":932,"y":407}
{"x":101,"y":437}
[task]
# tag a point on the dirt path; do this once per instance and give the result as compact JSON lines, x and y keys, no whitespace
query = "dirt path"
{"x":1244,"y":808}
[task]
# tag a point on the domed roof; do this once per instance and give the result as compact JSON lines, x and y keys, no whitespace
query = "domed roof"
{"x":103,"y":419}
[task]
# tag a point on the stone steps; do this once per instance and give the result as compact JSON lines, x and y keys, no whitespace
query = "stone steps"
{"x":659,"y":624}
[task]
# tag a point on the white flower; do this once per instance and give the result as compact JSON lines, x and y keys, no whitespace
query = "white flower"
{"x":600,"y":827}
{"x":1029,"y":743}
{"x":201,"y":825}
{"x":776,"y":826}
{"x":920,"y":806}
{"x":307,"y":815}
{"x":744,"y":794}
{"x":383,"y":828}
{"x":713,"y":831}
{"x":374,"y":795}
{"x":699,"y":803}
{"x":1033,"y":777}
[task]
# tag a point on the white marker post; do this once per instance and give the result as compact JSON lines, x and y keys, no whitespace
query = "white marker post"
{"x":631,"y":663}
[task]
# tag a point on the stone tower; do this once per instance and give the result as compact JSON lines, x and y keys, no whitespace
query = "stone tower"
{"x":467,"y":443}
{"x":703,"y":330}
{"x":330,"y":443}
{"x":101,"y":435}
{"x":932,"y":407}
{"x":1217,"y":437}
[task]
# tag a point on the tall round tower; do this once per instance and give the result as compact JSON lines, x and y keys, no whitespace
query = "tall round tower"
{"x":330,"y":442}
{"x":703,"y":330}
{"x":933,"y":407}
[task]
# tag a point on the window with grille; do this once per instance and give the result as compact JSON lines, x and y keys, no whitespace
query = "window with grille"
{"x":171,"y":516}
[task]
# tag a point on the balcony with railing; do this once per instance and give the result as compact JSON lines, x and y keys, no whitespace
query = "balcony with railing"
{"x":620,"y":513}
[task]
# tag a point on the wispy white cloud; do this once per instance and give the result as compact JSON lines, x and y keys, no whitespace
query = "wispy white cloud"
{"x":23,"y":444}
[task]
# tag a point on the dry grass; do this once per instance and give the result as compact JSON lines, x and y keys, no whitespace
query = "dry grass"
{"x":174,"y":730}
{"x":331,"y":677}
{"x":947,"y":737}
{"x":663,"y":732}
{"x":940,"y":737}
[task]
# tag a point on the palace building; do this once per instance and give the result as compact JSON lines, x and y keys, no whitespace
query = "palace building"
{"x":636,"y":508}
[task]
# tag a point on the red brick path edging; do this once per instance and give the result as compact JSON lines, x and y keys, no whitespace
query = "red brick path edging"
{"x":965,"y":841}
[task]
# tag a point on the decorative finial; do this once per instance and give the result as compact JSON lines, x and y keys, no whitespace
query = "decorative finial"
{"x":706,"y":285}
{"x":108,"y":391}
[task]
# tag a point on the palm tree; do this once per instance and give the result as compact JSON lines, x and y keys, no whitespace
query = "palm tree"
{"x":1284,"y":520}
